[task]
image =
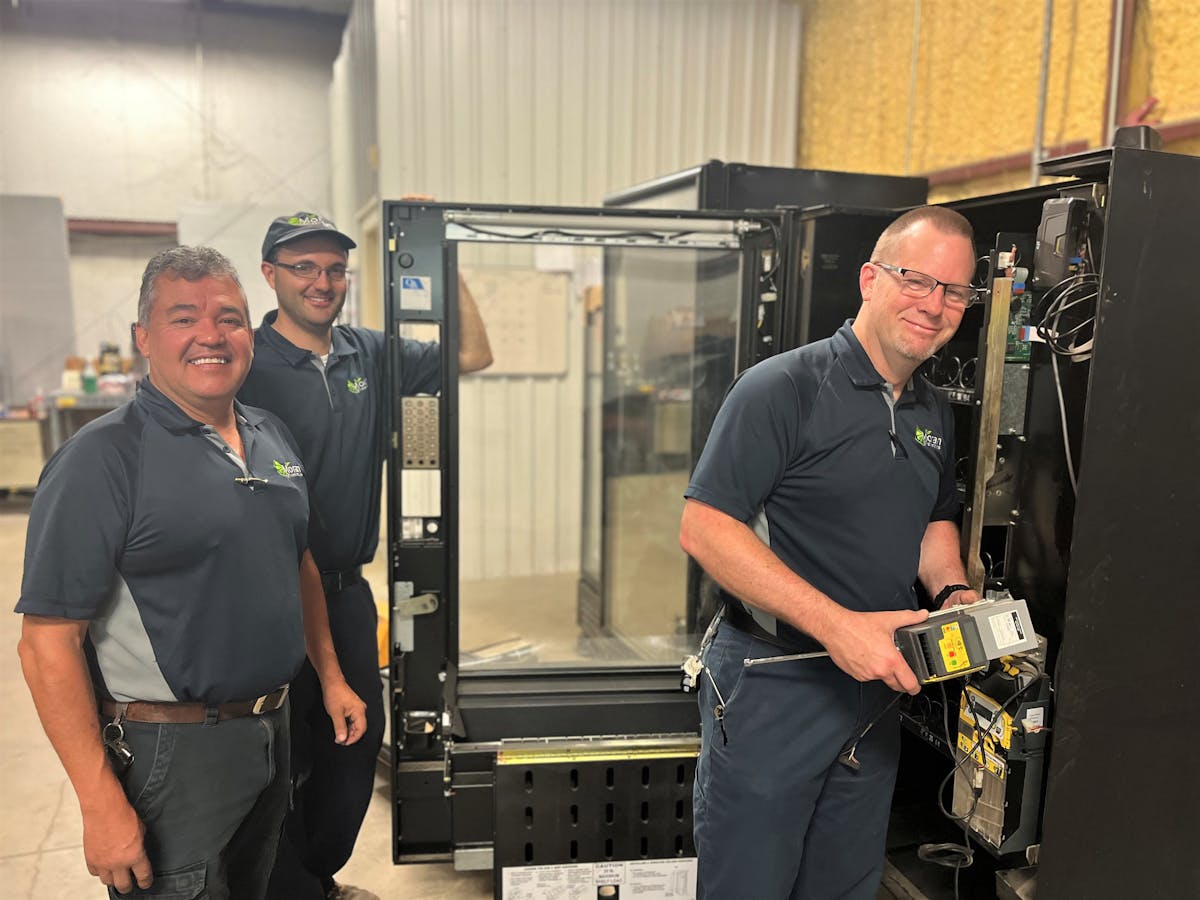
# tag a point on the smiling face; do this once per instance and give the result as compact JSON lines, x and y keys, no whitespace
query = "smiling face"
{"x":199,"y":343}
{"x":898,"y":331}
{"x":309,"y":305}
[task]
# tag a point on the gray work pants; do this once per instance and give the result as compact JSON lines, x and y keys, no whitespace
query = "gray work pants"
{"x":212,"y":798}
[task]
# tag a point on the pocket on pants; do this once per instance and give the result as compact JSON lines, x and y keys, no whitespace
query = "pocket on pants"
{"x":187,"y":883}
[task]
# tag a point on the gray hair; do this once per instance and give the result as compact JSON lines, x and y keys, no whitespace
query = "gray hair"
{"x":188,"y":263}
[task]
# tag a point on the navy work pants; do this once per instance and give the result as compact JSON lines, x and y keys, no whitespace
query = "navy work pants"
{"x":212,"y":798}
{"x":776,"y":816}
{"x":333,"y":783}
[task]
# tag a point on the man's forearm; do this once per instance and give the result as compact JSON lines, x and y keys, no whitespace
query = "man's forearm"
{"x":746,"y":567}
{"x":474,"y":349}
{"x":941,"y":557}
{"x":55,"y":669}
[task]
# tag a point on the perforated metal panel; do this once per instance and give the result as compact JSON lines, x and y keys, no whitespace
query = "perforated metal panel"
{"x":594,"y":811}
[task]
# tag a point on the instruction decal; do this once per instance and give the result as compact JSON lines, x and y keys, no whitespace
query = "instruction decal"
{"x":416,"y":292}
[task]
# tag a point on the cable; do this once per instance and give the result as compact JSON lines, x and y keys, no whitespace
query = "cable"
{"x":948,"y":854}
{"x":1062,"y":414}
{"x":559,"y":232}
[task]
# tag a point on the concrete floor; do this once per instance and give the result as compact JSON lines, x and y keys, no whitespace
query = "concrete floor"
{"x":41,"y":852}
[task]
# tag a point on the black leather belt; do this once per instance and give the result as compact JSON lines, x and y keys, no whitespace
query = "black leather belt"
{"x":335,"y":582}
{"x":737,"y":616}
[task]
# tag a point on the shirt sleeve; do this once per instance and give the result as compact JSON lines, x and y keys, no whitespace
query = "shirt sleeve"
{"x":78,"y":526}
{"x":948,"y":503}
{"x":420,"y":366}
{"x":754,"y":437}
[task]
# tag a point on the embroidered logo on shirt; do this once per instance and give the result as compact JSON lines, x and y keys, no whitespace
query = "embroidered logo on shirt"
{"x":926,"y":438}
{"x":288,"y":470}
{"x":356,"y":385}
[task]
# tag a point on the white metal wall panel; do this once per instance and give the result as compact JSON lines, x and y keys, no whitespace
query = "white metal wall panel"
{"x":560,"y":102}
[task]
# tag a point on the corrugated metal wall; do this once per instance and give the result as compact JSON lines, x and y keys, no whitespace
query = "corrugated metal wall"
{"x":558,"y":102}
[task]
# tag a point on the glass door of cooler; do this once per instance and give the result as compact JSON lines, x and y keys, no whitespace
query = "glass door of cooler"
{"x":538,"y":588}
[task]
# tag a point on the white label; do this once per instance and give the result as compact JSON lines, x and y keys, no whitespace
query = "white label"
{"x":416,"y":292}
{"x":1006,"y":629}
{"x":1035,"y":719}
{"x":650,"y":879}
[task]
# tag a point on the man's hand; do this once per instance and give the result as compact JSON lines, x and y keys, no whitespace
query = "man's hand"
{"x":961,"y":598}
{"x":863,"y":645}
{"x":113,"y":848}
{"x":346,"y":711}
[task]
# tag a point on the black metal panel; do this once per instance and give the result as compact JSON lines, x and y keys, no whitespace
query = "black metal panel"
{"x":594,"y":811}
{"x":1121,"y":810}
{"x":721,"y":185}
{"x":833,"y":243}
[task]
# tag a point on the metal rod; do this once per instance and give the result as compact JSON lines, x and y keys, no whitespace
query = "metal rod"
{"x":1039,"y":130}
{"x":1114,"y":71}
{"x":747,"y":663}
{"x":912,"y":84}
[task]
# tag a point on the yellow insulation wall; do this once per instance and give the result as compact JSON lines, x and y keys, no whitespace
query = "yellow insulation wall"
{"x":973,"y":92}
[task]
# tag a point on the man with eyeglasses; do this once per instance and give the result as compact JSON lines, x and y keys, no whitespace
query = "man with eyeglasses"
{"x":326,"y":382}
{"x":824,"y":492}
{"x":169,"y":597}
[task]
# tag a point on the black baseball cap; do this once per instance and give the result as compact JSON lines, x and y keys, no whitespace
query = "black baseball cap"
{"x":288,"y":228}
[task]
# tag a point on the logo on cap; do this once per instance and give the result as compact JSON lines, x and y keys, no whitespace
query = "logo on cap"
{"x":309,"y":219}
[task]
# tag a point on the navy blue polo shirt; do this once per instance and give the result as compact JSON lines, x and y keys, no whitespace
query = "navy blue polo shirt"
{"x":190,"y":576}
{"x":335,"y":412}
{"x":810,"y":451}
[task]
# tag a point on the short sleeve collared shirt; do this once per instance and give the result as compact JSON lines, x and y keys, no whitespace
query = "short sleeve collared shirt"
{"x":841,"y":482}
{"x":184,"y":559}
{"x":335,"y":410}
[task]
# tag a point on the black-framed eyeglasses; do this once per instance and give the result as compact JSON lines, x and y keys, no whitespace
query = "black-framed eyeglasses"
{"x":310,"y":271}
{"x":918,"y":284}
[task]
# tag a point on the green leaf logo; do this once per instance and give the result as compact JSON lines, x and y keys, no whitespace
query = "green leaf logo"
{"x":356,"y":385}
{"x":288,"y":470}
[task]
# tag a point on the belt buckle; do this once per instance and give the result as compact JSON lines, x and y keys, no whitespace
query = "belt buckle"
{"x":260,"y":705}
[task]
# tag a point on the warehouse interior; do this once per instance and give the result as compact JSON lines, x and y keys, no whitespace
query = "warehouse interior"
{"x":133,"y":126}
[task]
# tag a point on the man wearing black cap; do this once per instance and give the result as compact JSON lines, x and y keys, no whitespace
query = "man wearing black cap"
{"x":326,"y":383}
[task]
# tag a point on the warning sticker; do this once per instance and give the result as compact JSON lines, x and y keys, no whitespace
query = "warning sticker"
{"x":1006,"y":629}
{"x":416,"y":292}
{"x":647,"y":879}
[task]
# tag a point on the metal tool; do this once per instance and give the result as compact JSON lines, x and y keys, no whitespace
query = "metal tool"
{"x":762,"y":661}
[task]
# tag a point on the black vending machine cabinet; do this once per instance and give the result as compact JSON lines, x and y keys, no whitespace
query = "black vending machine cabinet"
{"x":1076,"y":438}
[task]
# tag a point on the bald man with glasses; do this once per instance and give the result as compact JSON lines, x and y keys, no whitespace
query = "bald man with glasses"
{"x":824,"y":492}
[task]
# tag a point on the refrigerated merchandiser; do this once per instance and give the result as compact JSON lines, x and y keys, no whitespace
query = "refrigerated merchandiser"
{"x":556,"y":747}
{"x":525,"y":739}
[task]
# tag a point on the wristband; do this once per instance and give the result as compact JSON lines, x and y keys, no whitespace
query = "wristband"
{"x":944,"y":594}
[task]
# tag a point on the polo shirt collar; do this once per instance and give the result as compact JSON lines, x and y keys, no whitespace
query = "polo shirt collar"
{"x":266,"y":334}
{"x":166,"y":412}
{"x":854,"y":358}
{"x":856,"y":362}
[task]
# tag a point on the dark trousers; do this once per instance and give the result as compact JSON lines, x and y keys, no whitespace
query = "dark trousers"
{"x":333,"y":784}
{"x":212,"y":798}
{"x":776,"y":816}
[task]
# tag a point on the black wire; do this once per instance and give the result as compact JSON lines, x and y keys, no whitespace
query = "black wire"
{"x":948,"y":854}
{"x":558,"y":232}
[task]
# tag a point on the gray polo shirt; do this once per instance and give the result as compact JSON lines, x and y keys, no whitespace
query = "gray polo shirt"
{"x":336,"y":413}
{"x":185,"y":560}
{"x":841,"y":483}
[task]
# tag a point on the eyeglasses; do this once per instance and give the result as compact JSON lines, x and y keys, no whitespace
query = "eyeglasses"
{"x":918,"y":284}
{"x":310,"y":271}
